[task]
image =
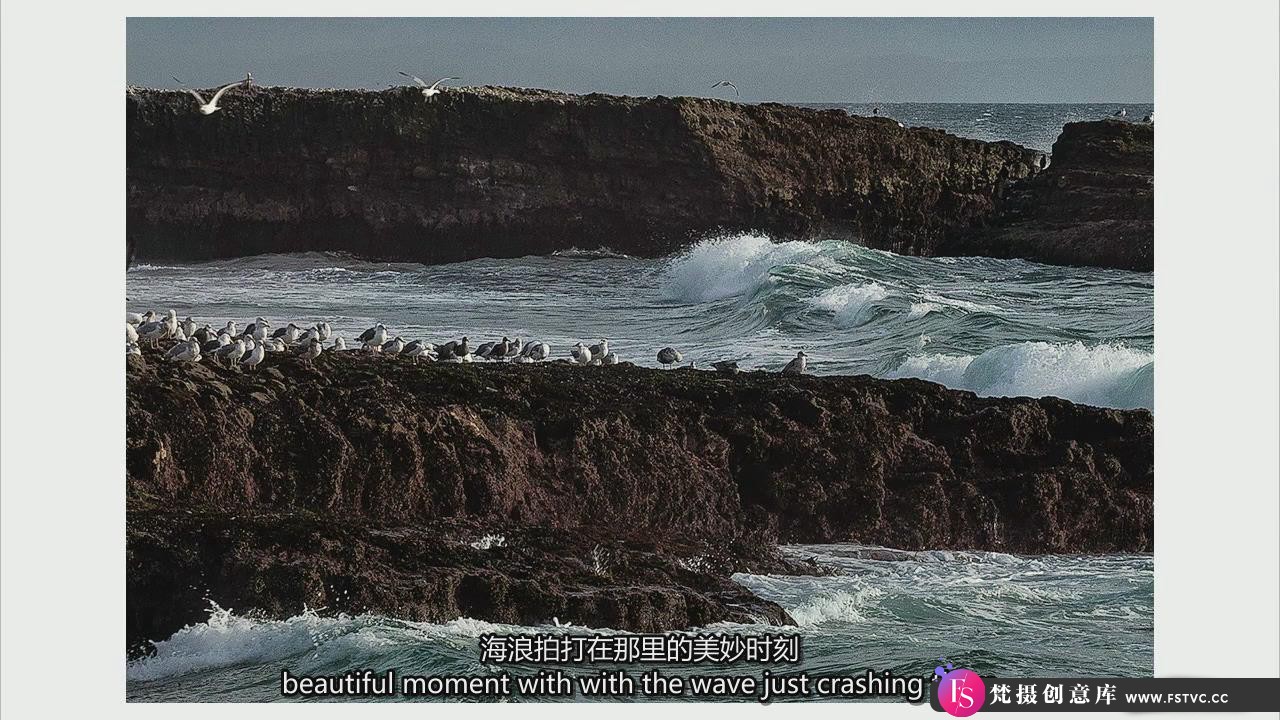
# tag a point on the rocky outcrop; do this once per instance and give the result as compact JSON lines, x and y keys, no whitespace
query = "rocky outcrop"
{"x":1093,"y":206}
{"x":505,"y":172}
{"x":625,"y":496}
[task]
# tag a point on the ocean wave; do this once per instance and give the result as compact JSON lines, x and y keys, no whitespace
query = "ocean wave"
{"x":732,"y":267}
{"x":227,"y":640}
{"x":1105,"y":375}
{"x":850,"y":303}
{"x":840,"y":606}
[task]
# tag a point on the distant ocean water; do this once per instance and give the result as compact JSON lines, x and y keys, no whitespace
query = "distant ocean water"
{"x":996,"y":327}
{"x":1033,"y":125}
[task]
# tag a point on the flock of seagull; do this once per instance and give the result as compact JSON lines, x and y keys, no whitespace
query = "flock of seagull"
{"x":231,"y":347}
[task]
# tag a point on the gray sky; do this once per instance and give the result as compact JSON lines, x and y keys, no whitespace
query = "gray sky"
{"x":779,"y":59}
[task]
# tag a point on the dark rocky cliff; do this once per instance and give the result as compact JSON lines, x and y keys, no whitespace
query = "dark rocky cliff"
{"x":627,"y":496}
{"x":1095,"y":205}
{"x":505,"y":172}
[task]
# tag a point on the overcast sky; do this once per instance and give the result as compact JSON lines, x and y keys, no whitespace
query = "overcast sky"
{"x":784,"y":60}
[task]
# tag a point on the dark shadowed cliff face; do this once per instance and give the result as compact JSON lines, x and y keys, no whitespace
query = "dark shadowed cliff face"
{"x":1093,"y":206}
{"x":503,"y":172}
{"x":373,"y":475}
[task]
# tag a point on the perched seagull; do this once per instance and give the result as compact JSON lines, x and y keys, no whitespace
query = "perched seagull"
{"x":669,"y":356}
{"x":726,"y":366}
{"x":131,"y":348}
{"x":1122,"y":112}
{"x":312,"y":350}
{"x":188,"y":351}
{"x":289,"y":333}
{"x":325,"y":332}
{"x":135,"y":318}
{"x":610,"y":359}
{"x":539,"y":351}
{"x":130,"y":333}
{"x":211,"y":107}
{"x":428,"y":91}
{"x":203,"y":334}
{"x":339,"y":344}
{"x":599,"y":350}
{"x":798,"y":364}
{"x":726,"y":83}
{"x":258,"y":329}
{"x":257,"y":351}
{"x":417,"y":349}
{"x":231,"y":352}
{"x":394,"y":346}
{"x":274,"y":345}
{"x":484,"y":349}
{"x":581,"y":354}
{"x":455,"y":348}
{"x":500,"y":350}
{"x":179,"y":335}
{"x":374,"y":336}
{"x":230,"y":329}
{"x":188,"y":326}
{"x":311,"y":332}
{"x":153,"y":332}
{"x":515,"y":348}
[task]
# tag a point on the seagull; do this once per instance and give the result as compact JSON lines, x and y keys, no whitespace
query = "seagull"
{"x":211,"y":107}
{"x":797,"y":365}
{"x":428,"y":91}
{"x":374,"y":336}
{"x":136,"y":319}
{"x":130,"y":333}
{"x":500,"y":350}
{"x":230,"y":329}
{"x":600,"y":349}
{"x":726,"y":83}
{"x":188,"y":351}
{"x":339,"y":344}
{"x":311,"y":351}
{"x":581,"y":354}
{"x":484,"y":350}
{"x":393,"y":347}
{"x":257,"y":351}
{"x":153,"y":332}
{"x":324,"y":330}
{"x":417,"y":349}
{"x":455,"y":348}
{"x":726,"y":366}
{"x":188,"y":326}
{"x":258,"y":329}
{"x":669,"y":356}
{"x":231,"y":352}
{"x":289,"y":333}
{"x":274,"y":345}
{"x":203,"y":334}
{"x":131,"y":348}
{"x":539,"y":351}
{"x":610,"y":359}
{"x":515,"y":348}
{"x":1122,"y":112}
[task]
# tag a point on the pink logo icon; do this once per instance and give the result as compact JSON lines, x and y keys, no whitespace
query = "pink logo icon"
{"x":961,"y":692}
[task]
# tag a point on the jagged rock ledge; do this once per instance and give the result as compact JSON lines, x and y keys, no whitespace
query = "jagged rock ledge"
{"x":625,"y":496}
{"x":1094,"y":205}
{"x":506,"y":172}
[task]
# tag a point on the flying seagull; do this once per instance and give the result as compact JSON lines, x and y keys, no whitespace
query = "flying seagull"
{"x":726,"y":83}
{"x":428,"y":90}
{"x":211,"y":107}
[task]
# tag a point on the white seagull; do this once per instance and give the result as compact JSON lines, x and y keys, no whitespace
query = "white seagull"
{"x":130,"y":333}
{"x":428,"y":91}
{"x":188,"y":351}
{"x":211,"y":107}
{"x":726,"y":83}
{"x":798,"y":364}
{"x":257,"y":351}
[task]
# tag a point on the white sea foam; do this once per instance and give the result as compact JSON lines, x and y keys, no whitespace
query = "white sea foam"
{"x":840,"y":606}
{"x":720,"y":269}
{"x":1106,"y":375}
{"x":850,"y":303}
